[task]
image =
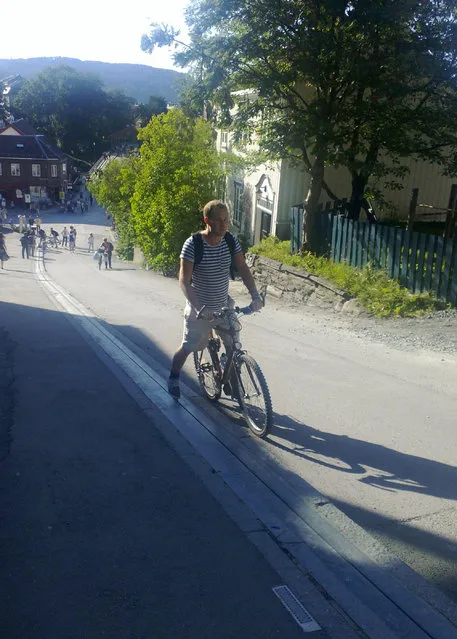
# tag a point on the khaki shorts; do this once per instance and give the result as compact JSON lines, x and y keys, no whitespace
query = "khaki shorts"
{"x":196,"y":332}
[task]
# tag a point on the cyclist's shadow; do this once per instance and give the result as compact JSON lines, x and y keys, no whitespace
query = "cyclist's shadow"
{"x":377,"y":465}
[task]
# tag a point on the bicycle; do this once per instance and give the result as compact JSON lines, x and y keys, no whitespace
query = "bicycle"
{"x":54,"y":241}
{"x":236,"y":373}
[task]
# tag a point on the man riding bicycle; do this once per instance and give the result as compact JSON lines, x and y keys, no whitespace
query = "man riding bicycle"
{"x":205,"y":283}
{"x":54,"y":237}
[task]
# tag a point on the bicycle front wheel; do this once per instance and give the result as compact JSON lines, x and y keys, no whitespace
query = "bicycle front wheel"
{"x":253,"y":396}
{"x":208,"y":377}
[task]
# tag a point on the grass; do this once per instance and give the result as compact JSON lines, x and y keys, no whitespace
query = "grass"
{"x":376,"y":292}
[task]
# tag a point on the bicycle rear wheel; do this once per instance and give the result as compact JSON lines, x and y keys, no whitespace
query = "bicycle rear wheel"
{"x":253,"y":395}
{"x":208,"y":377}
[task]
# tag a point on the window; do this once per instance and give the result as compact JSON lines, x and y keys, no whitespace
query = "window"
{"x":64,"y":168}
{"x":15,"y":169}
{"x":224,"y":139}
{"x":53,"y":170}
{"x":238,"y":204}
{"x":36,"y":170}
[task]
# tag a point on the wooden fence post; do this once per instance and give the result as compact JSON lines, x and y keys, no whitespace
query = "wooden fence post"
{"x":412,"y":209}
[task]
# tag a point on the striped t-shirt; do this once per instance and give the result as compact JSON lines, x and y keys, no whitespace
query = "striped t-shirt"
{"x":211,"y":276}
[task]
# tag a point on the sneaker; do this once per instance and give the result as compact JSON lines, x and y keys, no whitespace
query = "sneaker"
{"x":173,"y":387}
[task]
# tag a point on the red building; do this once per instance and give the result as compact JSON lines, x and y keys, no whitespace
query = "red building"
{"x":30,"y":165}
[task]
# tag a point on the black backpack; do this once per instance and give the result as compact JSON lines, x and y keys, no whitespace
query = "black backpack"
{"x":198,"y":250}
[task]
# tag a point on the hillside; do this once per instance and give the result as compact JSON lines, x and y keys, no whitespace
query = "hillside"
{"x":136,"y":80}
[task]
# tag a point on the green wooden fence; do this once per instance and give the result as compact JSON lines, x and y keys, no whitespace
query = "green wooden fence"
{"x":419,"y":261}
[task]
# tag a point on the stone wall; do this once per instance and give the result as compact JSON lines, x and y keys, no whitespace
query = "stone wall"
{"x":292,"y":284}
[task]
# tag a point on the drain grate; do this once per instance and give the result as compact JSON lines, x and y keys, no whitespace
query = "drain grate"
{"x":298,"y":612}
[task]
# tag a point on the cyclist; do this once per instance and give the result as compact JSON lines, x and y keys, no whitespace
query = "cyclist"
{"x":54,"y":236}
{"x":206,"y":283}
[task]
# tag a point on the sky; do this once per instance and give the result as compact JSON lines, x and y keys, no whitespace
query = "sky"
{"x":103,"y":30}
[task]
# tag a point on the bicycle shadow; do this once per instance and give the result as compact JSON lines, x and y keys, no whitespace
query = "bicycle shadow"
{"x":383,"y":468}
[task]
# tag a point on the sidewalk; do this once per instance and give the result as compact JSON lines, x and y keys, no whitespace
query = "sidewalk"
{"x":106,"y":531}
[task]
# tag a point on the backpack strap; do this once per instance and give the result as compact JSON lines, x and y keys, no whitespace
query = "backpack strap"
{"x":198,"y":248}
{"x":230,"y":239}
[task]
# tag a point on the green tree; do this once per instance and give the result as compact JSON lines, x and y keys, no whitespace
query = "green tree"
{"x":355,"y":83}
{"x":3,"y":110}
{"x":73,"y":110}
{"x":113,"y":188}
{"x":179,"y":172}
{"x":154,"y":106}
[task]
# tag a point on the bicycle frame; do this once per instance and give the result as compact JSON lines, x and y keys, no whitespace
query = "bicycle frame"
{"x":251,"y":392}
{"x":214,"y":344}
{"x":213,"y":347}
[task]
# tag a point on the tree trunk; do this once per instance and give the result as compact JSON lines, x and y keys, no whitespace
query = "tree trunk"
{"x":359,"y":183}
{"x":412,"y":209}
{"x":311,"y":235}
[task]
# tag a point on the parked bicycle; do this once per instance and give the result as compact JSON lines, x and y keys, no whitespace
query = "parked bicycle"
{"x":236,"y":373}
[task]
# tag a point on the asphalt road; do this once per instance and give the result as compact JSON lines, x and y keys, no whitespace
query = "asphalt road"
{"x":370,"y":427}
{"x":105,"y":531}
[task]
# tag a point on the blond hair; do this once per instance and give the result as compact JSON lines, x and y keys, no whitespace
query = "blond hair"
{"x":212,"y":207}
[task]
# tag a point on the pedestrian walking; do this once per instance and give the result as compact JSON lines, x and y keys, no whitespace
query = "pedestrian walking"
{"x":25,"y":246}
{"x":90,"y":242}
{"x":65,"y":236}
{"x":91,"y":200}
{"x":38,"y":223}
{"x":109,"y":250}
{"x":3,"y":254}
{"x":31,"y":237}
{"x":102,"y":256}
{"x":42,"y":238}
{"x":72,"y":239}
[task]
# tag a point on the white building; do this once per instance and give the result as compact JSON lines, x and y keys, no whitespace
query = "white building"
{"x":260,"y":200}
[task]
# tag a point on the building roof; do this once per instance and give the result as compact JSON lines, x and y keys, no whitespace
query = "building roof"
{"x":21,"y":126}
{"x":27,"y":147}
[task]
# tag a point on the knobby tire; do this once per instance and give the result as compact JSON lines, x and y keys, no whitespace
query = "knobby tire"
{"x":252,"y":384}
{"x":207,"y":377}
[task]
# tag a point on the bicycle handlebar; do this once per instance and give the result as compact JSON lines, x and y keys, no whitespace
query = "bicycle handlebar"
{"x":243,"y":310}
